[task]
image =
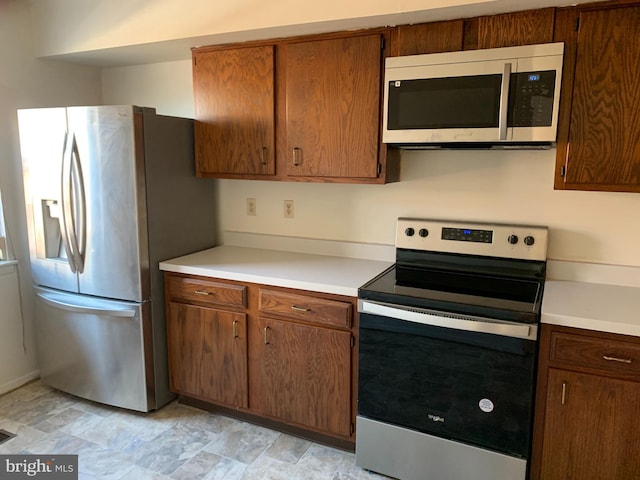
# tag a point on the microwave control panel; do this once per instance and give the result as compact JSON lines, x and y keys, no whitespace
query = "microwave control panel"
{"x":531,"y":95}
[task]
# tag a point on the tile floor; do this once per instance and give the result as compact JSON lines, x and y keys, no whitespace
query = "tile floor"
{"x":176,"y":442}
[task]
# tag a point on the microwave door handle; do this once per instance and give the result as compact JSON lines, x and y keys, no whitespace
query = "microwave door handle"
{"x":504,"y":102}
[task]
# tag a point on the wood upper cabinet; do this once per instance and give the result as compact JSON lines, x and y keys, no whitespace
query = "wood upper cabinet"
{"x":297,"y":109}
{"x":234,"y":91}
{"x":332,"y":113}
{"x":586,"y":421}
{"x":529,"y":27}
{"x":434,"y":37}
{"x":599,"y":128}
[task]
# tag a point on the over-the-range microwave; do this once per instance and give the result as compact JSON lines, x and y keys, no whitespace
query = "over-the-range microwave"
{"x":499,"y":97}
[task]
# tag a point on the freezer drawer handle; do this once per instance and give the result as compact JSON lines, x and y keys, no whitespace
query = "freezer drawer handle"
{"x":82,"y":309}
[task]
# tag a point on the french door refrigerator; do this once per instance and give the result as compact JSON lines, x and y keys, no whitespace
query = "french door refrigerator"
{"x":110,"y":191}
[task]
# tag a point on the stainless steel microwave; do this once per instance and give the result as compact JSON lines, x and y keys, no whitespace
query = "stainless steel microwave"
{"x":498,"y":97}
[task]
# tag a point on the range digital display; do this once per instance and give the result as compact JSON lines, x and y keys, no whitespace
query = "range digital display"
{"x":467,"y":235}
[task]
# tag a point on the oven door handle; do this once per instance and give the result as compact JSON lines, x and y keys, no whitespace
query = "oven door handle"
{"x":505,"y":329}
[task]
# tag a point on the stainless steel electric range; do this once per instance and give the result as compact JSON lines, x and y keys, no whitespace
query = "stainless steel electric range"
{"x":447,"y":352}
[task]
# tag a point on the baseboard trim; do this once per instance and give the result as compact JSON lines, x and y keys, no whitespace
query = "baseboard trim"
{"x":19,"y":382}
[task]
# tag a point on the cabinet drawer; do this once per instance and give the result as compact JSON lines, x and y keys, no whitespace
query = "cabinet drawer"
{"x":207,"y":291}
{"x":303,"y":307}
{"x":602,"y":354}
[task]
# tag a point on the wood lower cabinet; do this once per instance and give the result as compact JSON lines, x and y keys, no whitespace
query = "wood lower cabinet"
{"x":303,"y":375}
{"x":282,"y":357}
{"x":208,"y":353}
{"x":207,"y":345}
{"x":587,"y":423}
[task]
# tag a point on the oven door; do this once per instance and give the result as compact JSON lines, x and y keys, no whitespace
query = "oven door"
{"x":455,"y":383}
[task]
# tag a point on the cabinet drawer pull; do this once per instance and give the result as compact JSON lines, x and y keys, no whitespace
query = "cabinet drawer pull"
{"x":266,"y":335}
{"x":202,"y":292}
{"x":296,"y":155}
{"x":564,"y":392}
{"x":300,"y":309}
{"x":616,"y":359}
{"x":235,"y":329}
{"x":263,"y":155}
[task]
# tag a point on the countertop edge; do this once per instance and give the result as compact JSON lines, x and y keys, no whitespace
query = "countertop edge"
{"x":262,"y":280}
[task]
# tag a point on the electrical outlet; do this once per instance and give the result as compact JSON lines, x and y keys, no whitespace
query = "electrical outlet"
{"x":251,"y":207}
{"x":288,"y":209}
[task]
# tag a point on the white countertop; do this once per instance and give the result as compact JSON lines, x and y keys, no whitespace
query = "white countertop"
{"x":592,"y":306}
{"x":318,"y":273}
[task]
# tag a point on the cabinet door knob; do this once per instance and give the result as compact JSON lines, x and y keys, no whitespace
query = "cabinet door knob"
{"x":617,"y":359}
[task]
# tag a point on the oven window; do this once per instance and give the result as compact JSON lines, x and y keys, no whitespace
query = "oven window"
{"x":470,"y":387}
{"x":453,"y":102}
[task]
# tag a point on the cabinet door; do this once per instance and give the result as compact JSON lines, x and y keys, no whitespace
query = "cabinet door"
{"x":520,"y":28}
{"x":333,"y":107}
{"x":208,"y":353}
{"x":306,"y":375}
{"x":234,"y":111}
{"x":435,"y":37}
{"x":603,"y":152}
{"x":592,"y":428}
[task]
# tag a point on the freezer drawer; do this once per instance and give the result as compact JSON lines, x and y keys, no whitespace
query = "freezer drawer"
{"x":93,"y":348}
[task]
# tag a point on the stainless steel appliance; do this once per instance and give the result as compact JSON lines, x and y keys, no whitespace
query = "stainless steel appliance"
{"x":501,"y":97}
{"x":110,"y":191}
{"x":447,"y":352}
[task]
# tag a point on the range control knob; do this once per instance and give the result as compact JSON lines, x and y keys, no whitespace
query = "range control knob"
{"x":529,"y":240}
{"x":409,"y":232}
{"x":423,"y":232}
{"x":512,"y":239}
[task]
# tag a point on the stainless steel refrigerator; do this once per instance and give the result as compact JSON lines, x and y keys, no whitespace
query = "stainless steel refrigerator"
{"x":110,"y":192}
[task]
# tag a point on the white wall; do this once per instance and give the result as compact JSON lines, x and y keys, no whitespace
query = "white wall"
{"x":26,"y":82}
{"x":502,"y":186}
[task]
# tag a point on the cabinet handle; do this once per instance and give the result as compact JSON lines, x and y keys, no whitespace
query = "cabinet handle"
{"x":300,"y":309}
{"x":202,"y":292}
{"x":263,"y":155}
{"x":564,"y":392}
{"x":266,"y":335}
{"x":616,"y":359}
{"x":296,"y":154}
{"x":235,"y":329}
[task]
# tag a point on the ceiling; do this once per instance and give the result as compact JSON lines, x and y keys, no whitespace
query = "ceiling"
{"x":180,"y":49}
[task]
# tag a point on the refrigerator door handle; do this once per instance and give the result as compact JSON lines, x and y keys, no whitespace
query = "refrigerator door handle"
{"x":126,"y":312}
{"x":65,"y":198}
{"x":73,"y":212}
{"x":79,"y":207}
